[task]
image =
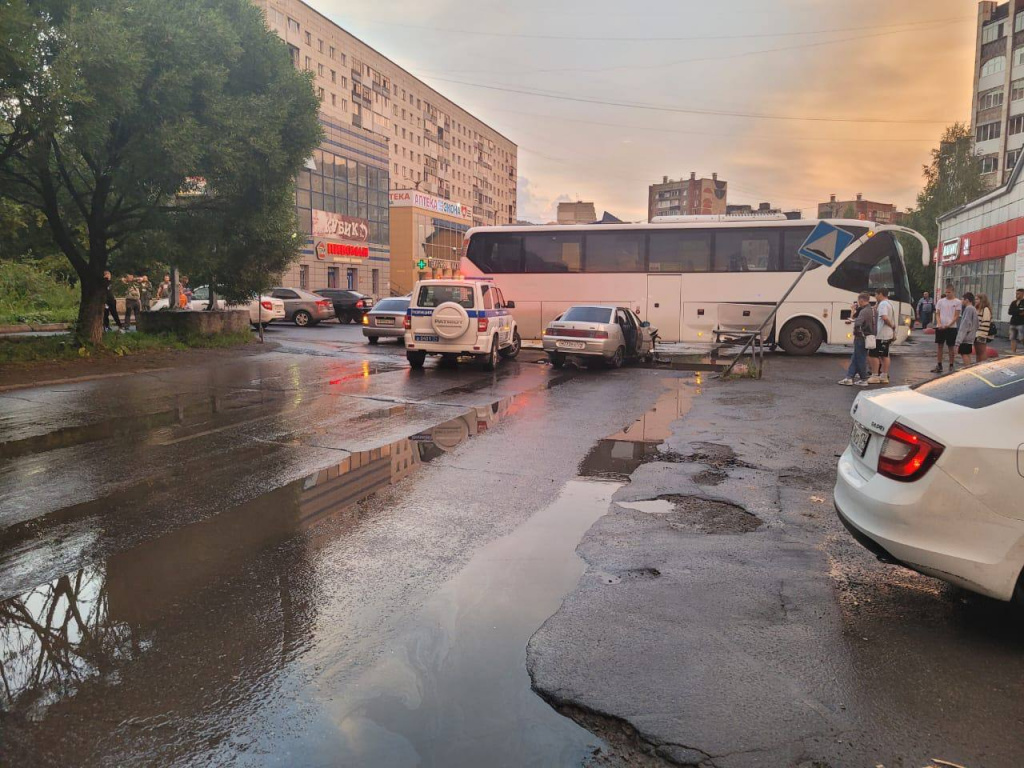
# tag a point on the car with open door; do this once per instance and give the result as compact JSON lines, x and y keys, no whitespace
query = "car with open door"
{"x":598,"y":334}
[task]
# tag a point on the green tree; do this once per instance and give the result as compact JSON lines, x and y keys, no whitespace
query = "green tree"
{"x":154,"y":97}
{"x":952,"y":178}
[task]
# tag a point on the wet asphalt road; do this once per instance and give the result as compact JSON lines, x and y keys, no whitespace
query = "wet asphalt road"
{"x":318,"y":557}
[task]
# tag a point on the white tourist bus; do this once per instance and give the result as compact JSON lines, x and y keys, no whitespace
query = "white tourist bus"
{"x":691,"y":275}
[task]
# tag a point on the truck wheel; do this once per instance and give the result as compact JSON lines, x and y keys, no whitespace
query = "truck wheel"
{"x":416,"y":358}
{"x":801,"y":336}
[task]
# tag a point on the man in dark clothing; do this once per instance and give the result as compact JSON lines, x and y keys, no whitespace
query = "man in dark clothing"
{"x":111,"y":307}
{"x":925,"y":309}
{"x":1017,"y":321}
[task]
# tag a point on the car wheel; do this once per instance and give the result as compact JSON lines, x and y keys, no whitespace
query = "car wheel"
{"x":801,"y":336}
{"x":618,"y":358}
{"x":511,"y":352}
{"x":416,"y":358}
{"x":302,"y":318}
{"x":373,"y":339}
{"x":557,"y":359}
{"x":492,"y":358}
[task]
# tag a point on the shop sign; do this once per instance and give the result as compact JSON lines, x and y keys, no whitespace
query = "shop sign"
{"x":442,"y":264}
{"x":323,"y":250}
{"x":410,"y":198}
{"x":950,"y":250}
{"x":327,"y":224}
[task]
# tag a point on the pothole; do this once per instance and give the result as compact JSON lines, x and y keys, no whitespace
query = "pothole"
{"x":630,"y":574}
{"x":713,"y":476}
{"x":695,"y":514}
{"x":716,"y":455}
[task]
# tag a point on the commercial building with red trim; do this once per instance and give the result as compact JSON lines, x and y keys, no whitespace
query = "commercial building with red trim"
{"x":981,"y":246}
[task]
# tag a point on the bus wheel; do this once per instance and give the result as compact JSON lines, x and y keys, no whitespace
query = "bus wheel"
{"x":801,"y":336}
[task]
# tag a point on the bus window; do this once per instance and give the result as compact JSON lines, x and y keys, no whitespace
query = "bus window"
{"x":794,"y":237}
{"x":615,"y":251}
{"x":495,"y":253}
{"x":874,"y":265}
{"x":680,"y":251}
{"x":747,"y":250}
{"x":552,"y":253}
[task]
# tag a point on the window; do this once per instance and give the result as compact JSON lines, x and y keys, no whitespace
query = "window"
{"x":994,"y":97}
{"x":1018,"y":22}
{"x":989,"y":164}
{"x":320,"y":93}
{"x":334,"y":77}
{"x":991,"y":32}
{"x":1016,"y":90}
{"x":552,"y":253}
{"x":488,"y":296}
{"x":993,"y":66}
{"x":1011,"y":159}
{"x":746,"y":250}
{"x":1018,"y":57}
{"x":284,"y":293}
{"x":320,"y":45}
{"x":332,"y":277}
{"x":334,"y":100}
{"x":876,"y":264}
{"x":309,"y":64}
{"x":436,"y":295}
{"x":293,"y":25}
{"x":588,"y":315}
{"x":351,"y":276}
{"x":679,"y":251}
{"x":375,"y":282}
{"x":309,"y":39}
{"x":1016,"y":125}
{"x":988,"y":131}
{"x":615,"y":252}
{"x":304,"y":277}
{"x":332,"y":52}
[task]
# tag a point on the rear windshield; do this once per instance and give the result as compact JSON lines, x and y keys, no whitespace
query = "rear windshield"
{"x":392,"y":305}
{"x":980,"y":385}
{"x":436,"y":295}
{"x":587,"y":315}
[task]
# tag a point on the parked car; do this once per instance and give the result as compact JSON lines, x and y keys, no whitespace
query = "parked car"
{"x":454,"y":318}
{"x":349,"y":306}
{"x":302,"y":307}
{"x":386,"y":319}
{"x":264,"y":309}
{"x":933,"y":477}
{"x":596,"y":333}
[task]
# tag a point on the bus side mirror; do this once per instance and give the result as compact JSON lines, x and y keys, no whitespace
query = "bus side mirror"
{"x":510,"y":305}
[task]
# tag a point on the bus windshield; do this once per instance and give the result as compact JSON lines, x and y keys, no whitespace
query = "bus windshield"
{"x":876,"y":264}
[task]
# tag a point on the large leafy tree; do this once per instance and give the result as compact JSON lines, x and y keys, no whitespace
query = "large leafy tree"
{"x":144,"y":99}
{"x":952,"y":178}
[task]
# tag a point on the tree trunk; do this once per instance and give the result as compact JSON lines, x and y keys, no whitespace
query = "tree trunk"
{"x":90,"y":312}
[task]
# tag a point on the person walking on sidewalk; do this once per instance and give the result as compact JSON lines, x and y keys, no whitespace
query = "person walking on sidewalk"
{"x":863,"y":321}
{"x":968,"y":331}
{"x":132,"y":301}
{"x":925,"y":309}
{"x":111,"y":303}
{"x":885,"y":333}
{"x":1017,"y":321}
{"x":947,"y":315}
{"x":984,"y":307}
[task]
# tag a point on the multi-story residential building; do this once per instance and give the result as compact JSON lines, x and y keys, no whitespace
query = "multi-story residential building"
{"x":867,"y":210}
{"x":687,"y":197}
{"x":385,"y":131}
{"x":576,"y":213}
{"x":763,"y":209}
{"x":998,"y":106}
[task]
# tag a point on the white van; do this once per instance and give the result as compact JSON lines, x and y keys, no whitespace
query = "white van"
{"x":454,"y":318}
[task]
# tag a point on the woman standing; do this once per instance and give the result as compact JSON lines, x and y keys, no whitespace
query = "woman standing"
{"x":984,"y":307}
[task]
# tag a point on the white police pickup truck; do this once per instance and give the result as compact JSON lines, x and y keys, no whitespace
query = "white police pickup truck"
{"x":455,"y":318}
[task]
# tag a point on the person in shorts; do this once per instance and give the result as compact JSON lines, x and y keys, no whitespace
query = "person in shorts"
{"x":885,"y":334}
{"x":1017,"y":321}
{"x":968,"y":330}
{"x":947,"y":315}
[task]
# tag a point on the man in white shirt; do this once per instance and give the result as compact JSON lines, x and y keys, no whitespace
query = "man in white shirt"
{"x":947,"y":316}
{"x":885,"y":314}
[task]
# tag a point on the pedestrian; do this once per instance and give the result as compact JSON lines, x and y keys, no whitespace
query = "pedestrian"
{"x":185,"y":290}
{"x":145,"y":292}
{"x":984,"y":307}
{"x":1017,"y":321}
{"x":968,"y":330}
{"x":132,"y":301}
{"x":947,"y":315}
{"x":863,"y":321}
{"x":110,"y":302}
{"x":885,"y":333}
{"x":163,"y":291}
{"x":925,"y":309}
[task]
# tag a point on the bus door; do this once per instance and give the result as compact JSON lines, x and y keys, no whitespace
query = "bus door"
{"x":665,"y":305}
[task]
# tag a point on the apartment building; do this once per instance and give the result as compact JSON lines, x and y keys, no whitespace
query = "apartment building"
{"x":998,"y":107}
{"x":385,"y":131}
{"x":866,"y":210}
{"x":687,"y":197}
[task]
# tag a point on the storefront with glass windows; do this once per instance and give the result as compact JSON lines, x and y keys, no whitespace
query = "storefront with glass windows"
{"x":426,"y":237}
{"x":341,"y":199}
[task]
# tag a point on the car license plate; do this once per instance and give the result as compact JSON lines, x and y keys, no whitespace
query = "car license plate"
{"x":859,"y":439}
{"x":424,"y":337}
{"x":571,"y":344}
{"x":385,"y":321}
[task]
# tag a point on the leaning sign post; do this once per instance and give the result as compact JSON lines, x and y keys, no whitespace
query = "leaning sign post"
{"x":824,"y":245}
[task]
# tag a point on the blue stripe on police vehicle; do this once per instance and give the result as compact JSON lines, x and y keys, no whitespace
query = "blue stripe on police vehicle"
{"x":469,"y":312}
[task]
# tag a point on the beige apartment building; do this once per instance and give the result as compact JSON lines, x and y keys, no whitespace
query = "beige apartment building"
{"x":687,"y":197}
{"x":576,"y":213}
{"x":385,"y":130}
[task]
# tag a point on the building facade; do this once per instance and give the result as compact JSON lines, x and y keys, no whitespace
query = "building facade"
{"x":687,"y":197}
{"x":865,"y":210}
{"x":981,"y":246}
{"x":762,"y":209}
{"x":390,"y":131}
{"x":998,"y":105}
{"x":576,"y":213}
{"x":426,"y":237}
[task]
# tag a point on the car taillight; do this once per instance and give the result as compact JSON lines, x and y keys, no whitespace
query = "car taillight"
{"x":549,"y":331}
{"x":907,"y":455}
{"x":323,"y":303}
{"x":600,"y":334}
{"x":267,"y":306}
{"x":481,"y":325}
{"x":407,"y":322}
{"x":359,"y":304}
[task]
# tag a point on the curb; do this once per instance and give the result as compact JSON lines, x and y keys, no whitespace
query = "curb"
{"x":8,"y":330}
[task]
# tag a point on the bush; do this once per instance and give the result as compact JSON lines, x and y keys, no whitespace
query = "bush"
{"x":30,"y":295}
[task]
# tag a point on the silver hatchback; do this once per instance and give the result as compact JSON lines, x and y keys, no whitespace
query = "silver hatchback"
{"x":598,"y":333}
{"x":386,"y":319}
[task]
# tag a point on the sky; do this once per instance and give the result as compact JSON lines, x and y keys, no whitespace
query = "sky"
{"x":789,"y":101}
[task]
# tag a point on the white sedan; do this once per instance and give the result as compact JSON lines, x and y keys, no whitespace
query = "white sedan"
{"x":933,"y":478}
{"x":265,"y":309}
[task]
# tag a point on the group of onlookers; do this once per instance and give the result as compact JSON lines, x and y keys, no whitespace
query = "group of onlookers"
{"x":139,"y":296}
{"x":962,"y":326}
{"x":874,"y":330}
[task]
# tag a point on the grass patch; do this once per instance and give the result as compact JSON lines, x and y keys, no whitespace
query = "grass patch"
{"x":30,"y":295}
{"x":64,"y":346}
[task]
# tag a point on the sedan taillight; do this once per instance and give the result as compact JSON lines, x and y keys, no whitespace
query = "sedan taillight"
{"x":267,"y":306}
{"x":907,"y":455}
{"x":407,"y":322}
{"x":360,"y":304}
{"x":323,"y":303}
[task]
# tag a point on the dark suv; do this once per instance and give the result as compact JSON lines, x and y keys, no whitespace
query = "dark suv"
{"x":349,"y":306}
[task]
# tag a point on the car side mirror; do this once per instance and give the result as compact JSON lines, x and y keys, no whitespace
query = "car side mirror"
{"x":645,"y":324}
{"x":510,"y":305}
